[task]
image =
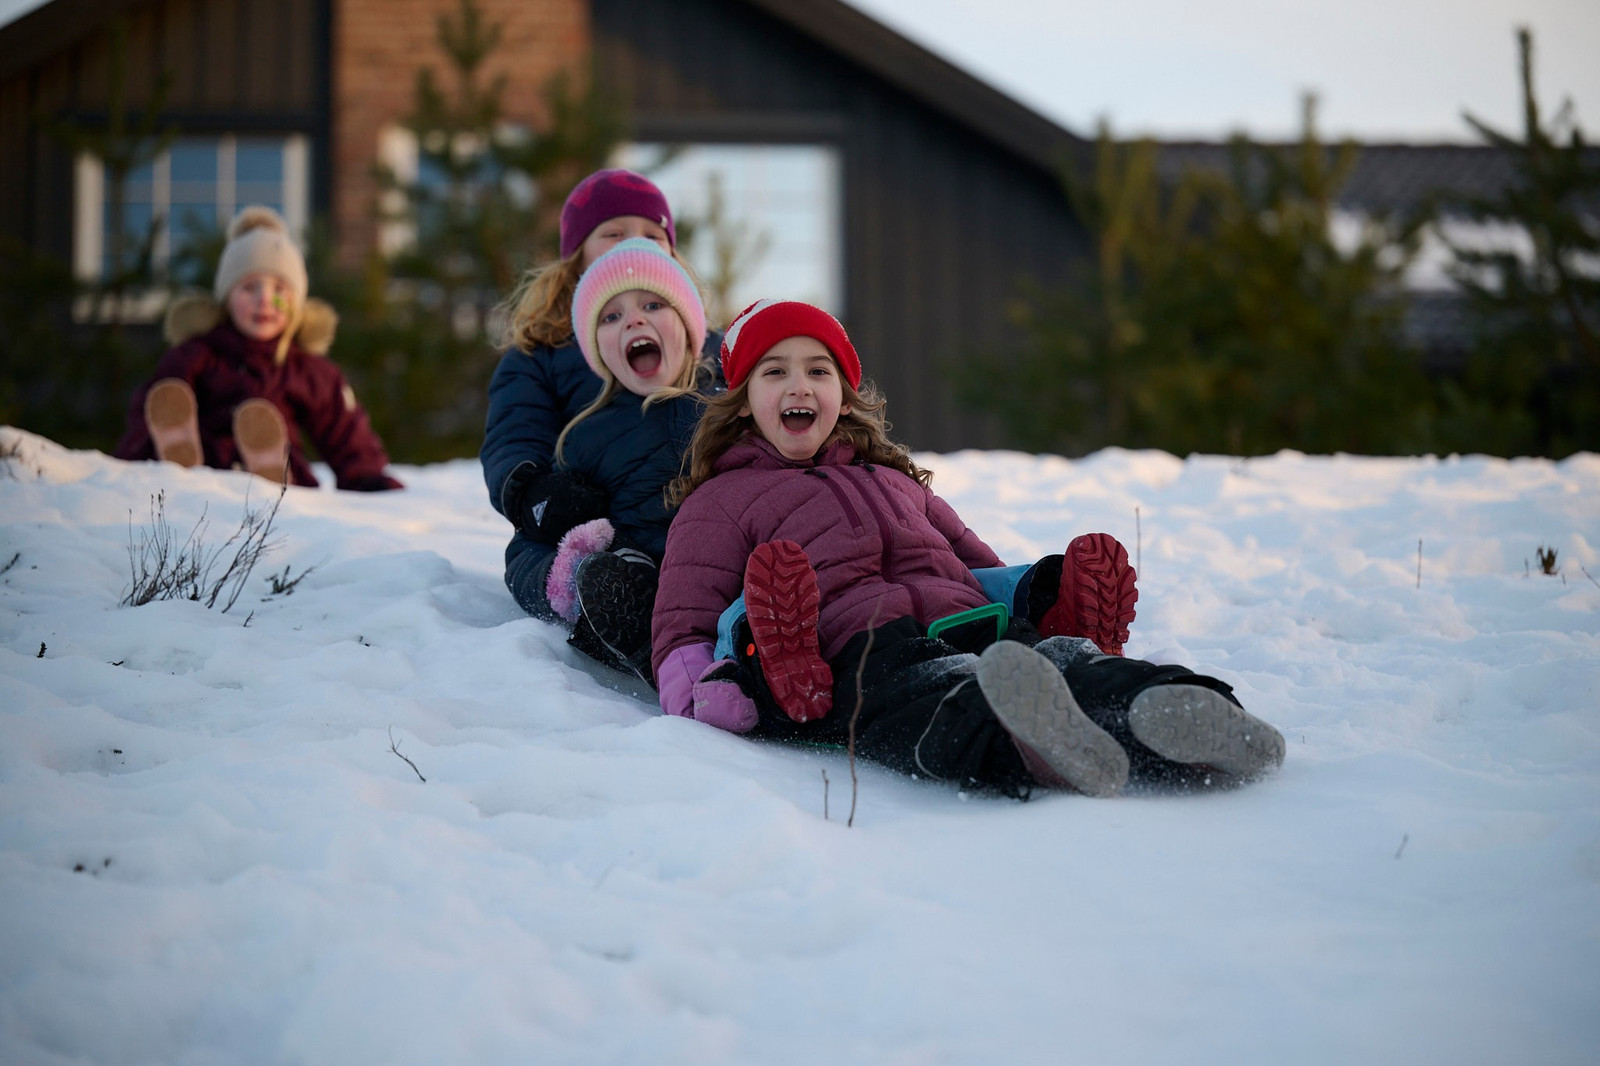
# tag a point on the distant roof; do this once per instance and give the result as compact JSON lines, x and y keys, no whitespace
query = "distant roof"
{"x":1387,"y":177}
{"x":925,"y":76}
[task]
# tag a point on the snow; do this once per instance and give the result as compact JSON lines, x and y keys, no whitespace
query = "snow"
{"x":210,"y":853}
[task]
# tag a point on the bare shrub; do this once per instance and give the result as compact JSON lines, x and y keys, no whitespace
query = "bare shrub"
{"x":165,"y":567}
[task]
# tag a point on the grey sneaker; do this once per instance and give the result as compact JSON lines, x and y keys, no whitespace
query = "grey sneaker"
{"x":1199,"y":726}
{"x":1032,"y":701}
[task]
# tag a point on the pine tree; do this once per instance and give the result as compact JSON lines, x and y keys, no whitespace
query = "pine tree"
{"x":1532,"y":383}
{"x":417,"y":333}
{"x":1217,"y":314}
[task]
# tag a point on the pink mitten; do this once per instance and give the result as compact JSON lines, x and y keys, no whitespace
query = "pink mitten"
{"x":561,"y":585}
{"x":686,"y":691}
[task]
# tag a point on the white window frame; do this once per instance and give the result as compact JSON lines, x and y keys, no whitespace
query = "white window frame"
{"x":89,"y":191}
{"x":826,"y":243}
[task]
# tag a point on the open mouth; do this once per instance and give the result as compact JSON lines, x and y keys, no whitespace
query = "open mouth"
{"x":644,"y":357}
{"x":797,"y":419}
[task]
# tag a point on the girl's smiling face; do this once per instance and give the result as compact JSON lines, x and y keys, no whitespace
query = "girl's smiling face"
{"x":796,"y":395}
{"x":613,"y":231}
{"x":259,"y":306}
{"x":642,"y":341}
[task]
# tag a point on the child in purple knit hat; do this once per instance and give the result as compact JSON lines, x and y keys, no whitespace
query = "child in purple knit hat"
{"x":553,"y":400}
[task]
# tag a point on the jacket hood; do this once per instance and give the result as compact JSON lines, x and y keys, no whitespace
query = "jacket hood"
{"x":193,"y":314}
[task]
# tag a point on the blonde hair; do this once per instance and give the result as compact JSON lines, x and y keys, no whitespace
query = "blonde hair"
{"x":721,"y":426}
{"x":539,"y":309}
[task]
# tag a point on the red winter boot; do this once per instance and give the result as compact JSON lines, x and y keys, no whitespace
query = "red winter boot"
{"x":1094,"y":593}
{"x":780,"y":602}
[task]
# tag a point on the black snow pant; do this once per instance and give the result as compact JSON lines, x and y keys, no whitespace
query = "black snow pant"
{"x":920,"y":709}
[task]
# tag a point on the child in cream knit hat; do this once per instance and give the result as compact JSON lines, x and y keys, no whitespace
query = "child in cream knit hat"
{"x":247,"y":375}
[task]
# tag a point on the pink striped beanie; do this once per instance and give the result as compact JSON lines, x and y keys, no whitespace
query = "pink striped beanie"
{"x":636,"y":263}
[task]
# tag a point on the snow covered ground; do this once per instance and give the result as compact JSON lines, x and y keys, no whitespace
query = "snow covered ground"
{"x":210,"y":852}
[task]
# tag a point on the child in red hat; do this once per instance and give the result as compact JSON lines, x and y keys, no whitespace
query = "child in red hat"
{"x":797,"y":499}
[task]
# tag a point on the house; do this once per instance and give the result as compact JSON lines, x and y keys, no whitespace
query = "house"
{"x":932,"y":194}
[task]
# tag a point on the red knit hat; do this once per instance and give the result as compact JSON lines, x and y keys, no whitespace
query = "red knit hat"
{"x":767,"y":322}
{"x":611,"y":194}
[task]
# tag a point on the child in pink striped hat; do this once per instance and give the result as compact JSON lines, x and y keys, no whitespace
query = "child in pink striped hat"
{"x":640,"y":324}
{"x":552,"y":389}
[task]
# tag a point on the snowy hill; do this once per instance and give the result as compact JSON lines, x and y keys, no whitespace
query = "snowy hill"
{"x":213,"y":848}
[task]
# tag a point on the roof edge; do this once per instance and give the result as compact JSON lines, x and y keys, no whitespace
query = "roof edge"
{"x":51,"y":27}
{"x":922,"y":74}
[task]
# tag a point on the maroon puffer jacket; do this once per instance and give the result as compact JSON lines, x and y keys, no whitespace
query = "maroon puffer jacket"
{"x":225,"y":368}
{"x":883,"y":546}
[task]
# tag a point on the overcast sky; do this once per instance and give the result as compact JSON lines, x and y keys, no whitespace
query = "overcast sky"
{"x":1382,"y":69}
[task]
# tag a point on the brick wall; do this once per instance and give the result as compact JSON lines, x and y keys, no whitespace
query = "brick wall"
{"x":379,"y":45}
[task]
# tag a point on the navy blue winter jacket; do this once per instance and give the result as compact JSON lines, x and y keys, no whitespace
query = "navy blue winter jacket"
{"x":631,"y":451}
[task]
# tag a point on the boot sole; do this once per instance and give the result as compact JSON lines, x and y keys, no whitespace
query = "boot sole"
{"x":263,"y":440}
{"x":617,"y":609}
{"x":1097,"y":594}
{"x":781,"y":600}
{"x":1196,"y":725}
{"x":1031,"y":699}
{"x":172,"y":417}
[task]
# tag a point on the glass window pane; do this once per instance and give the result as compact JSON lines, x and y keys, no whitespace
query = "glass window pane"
{"x":193,"y":221}
{"x":777,"y":206}
{"x":269,"y":194}
{"x":194,"y":161}
{"x":259,"y":161}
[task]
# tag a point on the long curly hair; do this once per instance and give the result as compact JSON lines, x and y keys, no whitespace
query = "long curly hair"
{"x":721,"y":426}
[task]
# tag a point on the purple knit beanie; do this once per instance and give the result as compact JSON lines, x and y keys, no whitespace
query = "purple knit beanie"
{"x":611,"y":194}
{"x":636,"y":263}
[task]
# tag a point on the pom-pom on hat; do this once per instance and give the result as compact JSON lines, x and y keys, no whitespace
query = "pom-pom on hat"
{"x":259,"y":243}
{"x":767,"y":322}
{"x":611,"y":194}
{"x":636,"y":263}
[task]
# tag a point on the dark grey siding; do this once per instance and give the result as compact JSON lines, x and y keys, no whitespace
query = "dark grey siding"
{"x":232,"y":66}
{"x":940,"y":221}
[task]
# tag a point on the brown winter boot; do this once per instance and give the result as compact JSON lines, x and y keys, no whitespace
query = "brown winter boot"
{"x":172,"y":417}
{"x":1059,"y":745}
{"x":263,"y":439}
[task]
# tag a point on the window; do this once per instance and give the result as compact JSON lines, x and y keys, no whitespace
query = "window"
{"x":779,"y":220}
{"x":195,"y":187}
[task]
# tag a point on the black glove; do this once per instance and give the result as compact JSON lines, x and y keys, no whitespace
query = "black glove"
{"x":544,"y":504}
{"x":372,"y":483}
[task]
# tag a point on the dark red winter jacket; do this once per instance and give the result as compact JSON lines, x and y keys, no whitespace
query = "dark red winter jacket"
{"x":883,"y":546}
{"x":225,"y":368}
